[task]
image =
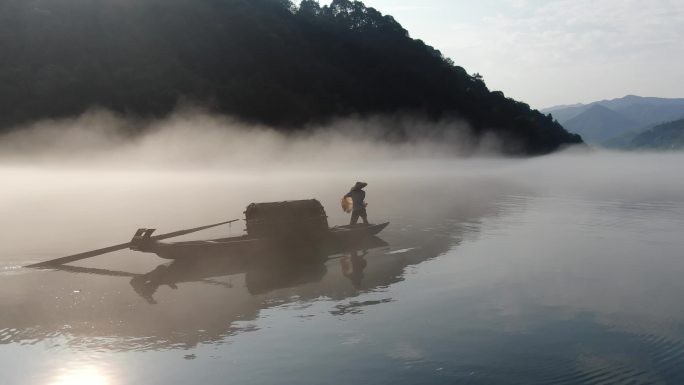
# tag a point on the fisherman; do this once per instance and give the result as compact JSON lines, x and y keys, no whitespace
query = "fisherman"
{"x":357,"y":196}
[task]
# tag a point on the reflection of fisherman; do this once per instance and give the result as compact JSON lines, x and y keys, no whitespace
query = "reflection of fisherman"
{"x":147,"y":284}
{"x":357,"y":196}
{"x":353,"y":266}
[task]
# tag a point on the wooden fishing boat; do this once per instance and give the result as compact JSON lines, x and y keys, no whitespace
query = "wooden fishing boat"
{"x":336,"y":237}
{"x":282,"y":228}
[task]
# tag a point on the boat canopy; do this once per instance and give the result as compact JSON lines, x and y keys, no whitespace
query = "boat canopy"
{"x":301,"y":218}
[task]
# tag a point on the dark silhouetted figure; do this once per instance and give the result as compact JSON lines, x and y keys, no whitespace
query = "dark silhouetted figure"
{"x":357,"y":196}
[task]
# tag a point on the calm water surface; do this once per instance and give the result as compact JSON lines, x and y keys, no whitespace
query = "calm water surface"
{"x":481,"y":279}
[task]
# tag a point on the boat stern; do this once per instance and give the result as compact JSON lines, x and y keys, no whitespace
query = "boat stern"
{"x":142,"y":240}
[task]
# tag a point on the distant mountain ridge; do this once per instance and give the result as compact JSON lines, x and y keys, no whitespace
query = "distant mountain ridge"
{"x":615,"y":122}
{"x":598,"y":123}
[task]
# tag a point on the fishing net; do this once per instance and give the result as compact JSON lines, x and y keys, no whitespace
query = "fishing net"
{"x":347,"y":204}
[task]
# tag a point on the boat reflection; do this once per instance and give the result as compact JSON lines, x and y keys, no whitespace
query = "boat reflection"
{"x":262,"y":273}
{"x":190,"y":302}
{"x":184,"y":303}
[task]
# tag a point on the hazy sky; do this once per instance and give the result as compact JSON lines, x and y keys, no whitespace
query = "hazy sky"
{"x":548,"y":52}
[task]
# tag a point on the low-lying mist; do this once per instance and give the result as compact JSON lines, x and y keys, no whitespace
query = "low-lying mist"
{"x":195,"y":143}
{"x":194,"y":139}
{"x":70,"y":185}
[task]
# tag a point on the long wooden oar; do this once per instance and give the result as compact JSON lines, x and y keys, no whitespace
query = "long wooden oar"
{"x":93,"y":271}
{"x":109,"y":249}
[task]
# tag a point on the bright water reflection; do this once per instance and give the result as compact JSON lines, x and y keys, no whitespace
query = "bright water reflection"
{"x":81,"y":375}
{"x":479,"y":279}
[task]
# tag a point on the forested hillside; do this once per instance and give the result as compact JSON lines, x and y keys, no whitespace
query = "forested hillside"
{"x":266,"y":61}
{"x":666,"y":136}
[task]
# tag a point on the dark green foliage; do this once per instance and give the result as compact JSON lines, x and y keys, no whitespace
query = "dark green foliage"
{"x":666,"y":136}
{"x":264,"y":61}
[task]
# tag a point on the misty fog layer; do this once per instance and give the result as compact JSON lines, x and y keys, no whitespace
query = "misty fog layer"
{"x":98,"y":171}
{"x":193,"y":139}
{"x":192,"y":143}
